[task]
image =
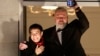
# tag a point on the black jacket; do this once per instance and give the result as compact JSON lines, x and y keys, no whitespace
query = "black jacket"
{"x":71,"y":36}
{"x":30,"y":51}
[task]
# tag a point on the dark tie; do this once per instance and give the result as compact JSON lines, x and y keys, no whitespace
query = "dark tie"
{"x":59,"y":32}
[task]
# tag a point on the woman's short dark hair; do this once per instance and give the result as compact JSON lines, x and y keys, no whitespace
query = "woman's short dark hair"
{"x":35,"y":26}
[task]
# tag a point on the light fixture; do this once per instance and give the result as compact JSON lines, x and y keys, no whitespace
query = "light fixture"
{"x":70,"y":11}
{"x":32,"y":11}
{"x":50,"y":10}
{"x":49,"y":7}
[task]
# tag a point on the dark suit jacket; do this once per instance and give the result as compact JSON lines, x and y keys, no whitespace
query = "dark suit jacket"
{"x":71,"y":36}
{"x":30,"y":51}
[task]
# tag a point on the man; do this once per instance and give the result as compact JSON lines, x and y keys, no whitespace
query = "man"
{"x":63,"y":39}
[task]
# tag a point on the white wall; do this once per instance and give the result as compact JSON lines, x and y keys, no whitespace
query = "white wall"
{"x":9,"y":16}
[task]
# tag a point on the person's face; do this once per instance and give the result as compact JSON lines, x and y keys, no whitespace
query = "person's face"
{"x":36,"y":35}
{"x":61,"y":18}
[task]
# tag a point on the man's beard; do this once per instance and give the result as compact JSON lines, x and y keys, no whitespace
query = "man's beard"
{"x":60,"y":26}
